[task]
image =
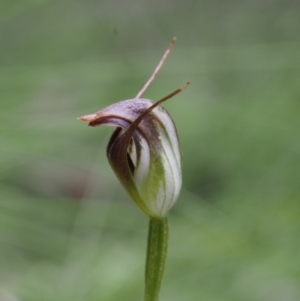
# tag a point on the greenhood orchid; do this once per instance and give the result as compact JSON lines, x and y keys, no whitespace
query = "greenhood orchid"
{"x":144,"y":152}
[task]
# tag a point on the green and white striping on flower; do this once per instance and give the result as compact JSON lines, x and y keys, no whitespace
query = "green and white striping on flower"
{"x":152,"y":171}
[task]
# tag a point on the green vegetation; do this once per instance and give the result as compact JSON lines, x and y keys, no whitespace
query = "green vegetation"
{"x":68,"y":231}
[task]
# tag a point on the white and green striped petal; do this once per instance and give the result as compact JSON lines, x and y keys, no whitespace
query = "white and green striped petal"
{"x":143,"y":152}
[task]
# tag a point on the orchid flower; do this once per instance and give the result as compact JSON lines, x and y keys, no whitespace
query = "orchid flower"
{"x":144,"y":152}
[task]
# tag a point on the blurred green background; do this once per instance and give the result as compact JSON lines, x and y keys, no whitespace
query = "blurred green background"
{"x":68,"y":231}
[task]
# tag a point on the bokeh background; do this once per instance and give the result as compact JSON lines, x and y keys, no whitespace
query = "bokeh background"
{"x":68,"y":231}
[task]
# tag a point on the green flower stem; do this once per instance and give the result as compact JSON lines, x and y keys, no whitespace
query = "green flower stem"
{"x":156,"y":256}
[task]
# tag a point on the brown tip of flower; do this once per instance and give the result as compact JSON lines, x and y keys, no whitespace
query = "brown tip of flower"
{"x":90,"y":117}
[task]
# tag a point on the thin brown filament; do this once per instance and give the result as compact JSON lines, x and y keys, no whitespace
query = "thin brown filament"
{"x":135,"y":124}
{"x":150,"y":80}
